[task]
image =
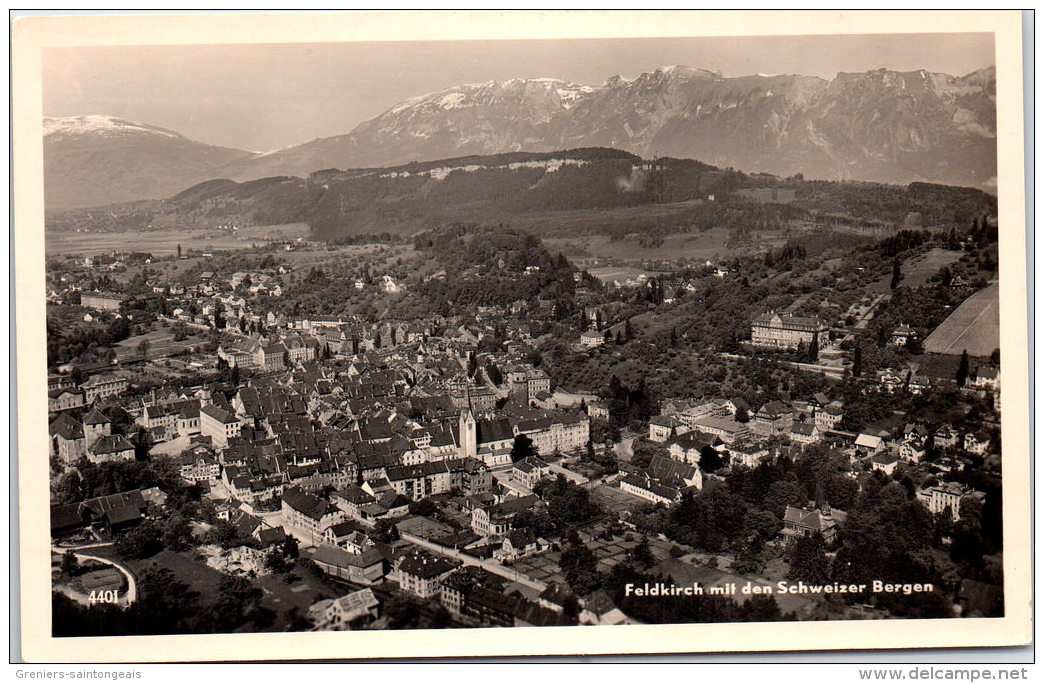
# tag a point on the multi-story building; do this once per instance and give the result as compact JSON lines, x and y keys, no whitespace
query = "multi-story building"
{"x":102,"y":301}
{"x":422,"y":573}
{"x":219,"y":424}
{"x":494,"y":521}
{"x":530,"y":470}
{"x":784,"y":331}
{"x":470,"y":475}
{"x":663,"y":427}
{"x":67,"y":439}
{"x":809,"y":522}
{"x":828,"y":417}
{"x":725,"y":429}
{"x":100,"y":386}
{"x":557,"y":433}
{"x":945,"y":496}
{"x":64,"y":399}
{"x":306,"y":516}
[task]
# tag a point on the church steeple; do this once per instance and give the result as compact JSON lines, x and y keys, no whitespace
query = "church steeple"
{"x":468,"y":444}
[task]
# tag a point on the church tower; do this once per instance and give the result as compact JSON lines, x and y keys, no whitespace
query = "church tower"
{"x":468,"y":434}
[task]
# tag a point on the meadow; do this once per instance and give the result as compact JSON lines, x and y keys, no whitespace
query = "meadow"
{"x":165,"y":242}
{"x":974,"y":326}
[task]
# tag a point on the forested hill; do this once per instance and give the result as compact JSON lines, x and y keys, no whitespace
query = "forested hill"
{"x":532,"y":190}
{"x":493,"y":266}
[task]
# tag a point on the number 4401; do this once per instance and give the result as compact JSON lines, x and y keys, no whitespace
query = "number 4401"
{"x":103,"y":597}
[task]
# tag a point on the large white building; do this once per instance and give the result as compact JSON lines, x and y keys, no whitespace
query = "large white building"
{"x":784,"y":331}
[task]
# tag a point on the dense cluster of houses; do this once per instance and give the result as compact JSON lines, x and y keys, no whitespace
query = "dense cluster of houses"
{"x":336,"y":429}
{"x":688,"y":430}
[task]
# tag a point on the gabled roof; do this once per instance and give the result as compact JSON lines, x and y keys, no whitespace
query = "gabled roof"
{"x":868,"y":441}
{"x":808,"y":519}
{"x":111,"y":443}
{"x":671,"y":471}
{"x":67,"y":428}
{"x":307,"y":504}
{"x":424,"y":565}
{"x":96,"y":417}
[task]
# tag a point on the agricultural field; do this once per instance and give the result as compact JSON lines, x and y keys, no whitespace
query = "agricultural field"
{"x":621,"y":273}
{"x":917,"y":271}
{"x":165,"y":242}
{"x":709,"y":245}
{"x":974,"y":326}
{"x":160,"y":343}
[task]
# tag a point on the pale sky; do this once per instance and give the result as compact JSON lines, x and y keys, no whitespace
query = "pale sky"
{"x":264,"y":97}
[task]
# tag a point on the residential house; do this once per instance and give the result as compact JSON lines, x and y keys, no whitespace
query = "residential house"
{"x":529,"y":471}
{"x":340,"y":614}
{"x":519,"y":544}
{"x":494,"y":521}
{"x":663,"y":427}
{"x":422,"y":573}
{"x":884,"y":462}
{"x":804,"y":433}
{"x":810,"y":521}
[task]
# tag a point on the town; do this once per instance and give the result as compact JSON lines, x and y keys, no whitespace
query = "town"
{"x":466,"y":429}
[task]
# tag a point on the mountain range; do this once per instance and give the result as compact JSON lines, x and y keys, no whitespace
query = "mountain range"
{"x":881,"y":125}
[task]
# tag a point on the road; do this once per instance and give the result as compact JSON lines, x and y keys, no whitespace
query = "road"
{"x":131,"y":594}
{"x":491,"y":566}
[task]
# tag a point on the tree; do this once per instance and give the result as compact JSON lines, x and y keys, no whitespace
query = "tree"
{"x":70,"y":565}
{"x":494,"y":374}
{"x":580,"y":568}
{"x":179,"y":251}
{"x":808,"y":561}
{"x":282,"y":556}
{"x":642,"y":554}
{"x":423,"y":507}
{"x":962,"y":369}
{"x":522,"y":448}
{"x":857,"y":361}
{"x":141,"y":541}
{"x":143,"y":348}
{"x":897,"y":274}
{"x":813,"y":349}
{"x":177,"y":533}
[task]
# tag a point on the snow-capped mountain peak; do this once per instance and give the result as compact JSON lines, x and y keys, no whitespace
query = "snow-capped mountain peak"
{"x":99,"y":124}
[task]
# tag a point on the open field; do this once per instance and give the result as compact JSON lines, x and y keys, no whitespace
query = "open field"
{"x":279,"y":595}
{"x":165,"y":242}
{"x":709,"y":245}
{"x":974,"y":326}
{"x":917,"y":271}
{"x":610,"y":273}
{"x":160,"y":344}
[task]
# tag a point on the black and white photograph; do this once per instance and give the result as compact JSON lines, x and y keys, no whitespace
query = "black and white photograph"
{"x":355,"y":336}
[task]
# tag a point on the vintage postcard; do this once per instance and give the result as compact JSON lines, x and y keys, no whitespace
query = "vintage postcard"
{"x":370,"y":335}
